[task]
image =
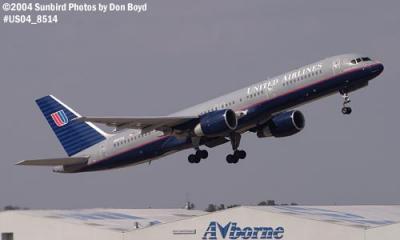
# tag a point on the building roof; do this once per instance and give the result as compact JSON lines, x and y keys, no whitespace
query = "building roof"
{"x":121,"y":220}
{"x":125,"y":220}
{"x":365,"y":216}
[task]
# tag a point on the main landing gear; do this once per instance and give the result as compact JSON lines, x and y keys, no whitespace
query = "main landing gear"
{"x":237,"y":154}
{"x":230,"y":158}
{"x":200,"y":154}
{"x":346,"y":110}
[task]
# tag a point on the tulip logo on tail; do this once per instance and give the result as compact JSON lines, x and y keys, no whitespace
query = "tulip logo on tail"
{"x":217,"y":231}
{"x":59,"y":118}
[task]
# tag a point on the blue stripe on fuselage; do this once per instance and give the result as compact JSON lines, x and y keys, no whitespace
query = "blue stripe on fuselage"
{"x":255,"y":112}
{"x":139,"y":154}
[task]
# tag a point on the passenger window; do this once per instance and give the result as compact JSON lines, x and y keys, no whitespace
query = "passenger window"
{"x":358,"y":60}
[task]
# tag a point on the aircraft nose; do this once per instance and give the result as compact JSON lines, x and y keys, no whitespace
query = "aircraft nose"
{"x":376,"y":68}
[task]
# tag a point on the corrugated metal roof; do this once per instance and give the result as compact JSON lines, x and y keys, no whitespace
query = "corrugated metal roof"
{"x":121,"y":220}
{"x":365,"y":216}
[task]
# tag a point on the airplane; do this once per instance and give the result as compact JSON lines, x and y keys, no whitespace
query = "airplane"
{"x":265,"y":108}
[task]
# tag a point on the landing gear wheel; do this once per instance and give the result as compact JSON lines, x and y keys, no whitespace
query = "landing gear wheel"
{"x":230,"y":158}
{"x":240,"y":154}
{"x":346,"y":110}
{"x":202,"y":154}
{"x":235,"y":159}
{"x":193,"y":158}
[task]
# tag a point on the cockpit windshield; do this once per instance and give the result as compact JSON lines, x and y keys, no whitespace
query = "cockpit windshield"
{"x":358,"y":60}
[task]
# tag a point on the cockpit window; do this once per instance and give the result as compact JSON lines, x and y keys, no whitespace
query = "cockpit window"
{"x":357,"y":60}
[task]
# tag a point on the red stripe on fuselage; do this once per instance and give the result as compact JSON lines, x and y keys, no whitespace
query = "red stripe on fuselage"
{"x":242,"y":108}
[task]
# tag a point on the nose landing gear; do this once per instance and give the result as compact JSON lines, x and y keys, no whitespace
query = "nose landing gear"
{"x":346,"y":109}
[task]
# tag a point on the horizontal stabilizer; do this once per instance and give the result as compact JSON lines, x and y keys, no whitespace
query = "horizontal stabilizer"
{"x":54,"y":161}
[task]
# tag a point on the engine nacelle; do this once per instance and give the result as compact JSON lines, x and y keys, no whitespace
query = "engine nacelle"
{"x":217,"y":123}
{"x":283,"y":125}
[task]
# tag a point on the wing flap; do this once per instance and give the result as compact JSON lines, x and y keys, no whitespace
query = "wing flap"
{"x":54,"y":161}
{"x":140,"y":122}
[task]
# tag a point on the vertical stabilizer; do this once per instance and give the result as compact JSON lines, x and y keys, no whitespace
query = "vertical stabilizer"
{"x":74,"y":136}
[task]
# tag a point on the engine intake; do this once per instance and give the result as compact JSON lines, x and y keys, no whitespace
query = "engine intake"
{"x":283,"y":125}
{"x":217,"y":123}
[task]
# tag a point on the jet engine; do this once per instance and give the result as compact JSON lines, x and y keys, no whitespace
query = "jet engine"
{"x":283,"y":125}
{"x":217,"y":123}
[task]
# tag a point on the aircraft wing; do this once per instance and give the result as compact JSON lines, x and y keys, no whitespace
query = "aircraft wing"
{"x":162,"y":123}
{"x":54,"y":161}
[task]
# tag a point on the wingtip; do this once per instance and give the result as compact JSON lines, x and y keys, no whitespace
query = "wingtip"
{"x":19,"y":163}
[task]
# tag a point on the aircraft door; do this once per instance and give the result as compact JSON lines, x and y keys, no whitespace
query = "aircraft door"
{"x":103,"y":151}
{"x":336,"y":66}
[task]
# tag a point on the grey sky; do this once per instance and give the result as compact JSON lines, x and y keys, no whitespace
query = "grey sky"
{"x":181,"y":53}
